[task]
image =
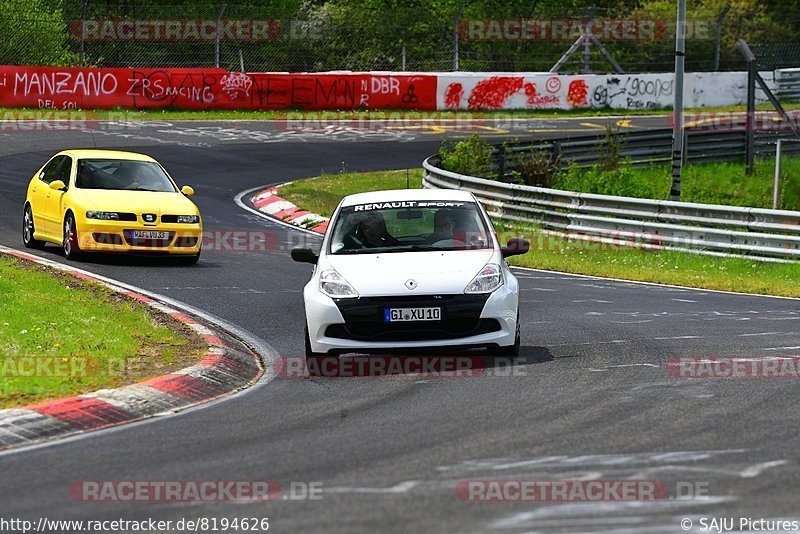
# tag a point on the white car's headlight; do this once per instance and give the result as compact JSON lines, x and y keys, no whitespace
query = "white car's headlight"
{"x":103,"y":215}
{"x":486,"y":281}
{"x":335,"y":286}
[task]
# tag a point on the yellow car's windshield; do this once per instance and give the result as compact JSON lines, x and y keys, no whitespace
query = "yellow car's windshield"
{"x":125,"y":175}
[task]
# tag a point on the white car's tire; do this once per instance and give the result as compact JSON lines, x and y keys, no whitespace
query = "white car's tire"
{"x":509,"y":351}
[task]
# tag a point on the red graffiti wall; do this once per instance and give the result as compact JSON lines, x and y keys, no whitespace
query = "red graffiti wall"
{"x":78,"y":88}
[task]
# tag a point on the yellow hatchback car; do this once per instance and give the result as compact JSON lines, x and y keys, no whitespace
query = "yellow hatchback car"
{"x":110,"y":201}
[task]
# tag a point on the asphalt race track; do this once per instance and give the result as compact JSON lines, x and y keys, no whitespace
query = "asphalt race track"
{"x":589,"y":398}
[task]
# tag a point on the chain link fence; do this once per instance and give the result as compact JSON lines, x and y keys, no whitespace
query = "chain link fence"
{"x":329,"y":36}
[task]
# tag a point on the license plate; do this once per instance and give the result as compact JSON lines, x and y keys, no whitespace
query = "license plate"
{"x":399,"y":315}
{"x":149,"y":234}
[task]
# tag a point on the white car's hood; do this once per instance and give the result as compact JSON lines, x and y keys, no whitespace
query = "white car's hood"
{"x":434,"y":272}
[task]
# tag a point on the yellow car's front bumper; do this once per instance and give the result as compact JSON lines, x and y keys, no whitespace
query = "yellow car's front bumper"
{"x":96,"y":235}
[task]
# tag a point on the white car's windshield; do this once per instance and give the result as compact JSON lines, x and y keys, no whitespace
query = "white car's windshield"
{"x":122,"y":175}
{"x":408,"y":226}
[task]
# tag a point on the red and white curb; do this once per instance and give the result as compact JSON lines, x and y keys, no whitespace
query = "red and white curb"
{"x":228,"y":366}
{"x":268,"y":201}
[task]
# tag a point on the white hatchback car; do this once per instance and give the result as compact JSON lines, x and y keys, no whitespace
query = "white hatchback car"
{"x":411,"y":269}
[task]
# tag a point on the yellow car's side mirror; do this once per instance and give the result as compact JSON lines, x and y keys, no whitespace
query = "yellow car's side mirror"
{"x":58,"y":185}
{"x":187,"y":190}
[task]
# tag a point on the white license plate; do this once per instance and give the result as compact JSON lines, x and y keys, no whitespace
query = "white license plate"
{"x":398,"y":315}
{"x":149,"y":234}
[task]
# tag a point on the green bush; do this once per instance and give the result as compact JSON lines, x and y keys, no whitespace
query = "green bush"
{"x":611,"y":149}
{"x":623,"y":181}
{"x":472,"y":156}
{"x":539,"y":169}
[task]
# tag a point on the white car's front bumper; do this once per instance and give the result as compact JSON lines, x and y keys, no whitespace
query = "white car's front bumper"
{"x":329,"y":331}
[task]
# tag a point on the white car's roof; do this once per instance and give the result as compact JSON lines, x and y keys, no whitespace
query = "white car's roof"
{"x":394,"y":195}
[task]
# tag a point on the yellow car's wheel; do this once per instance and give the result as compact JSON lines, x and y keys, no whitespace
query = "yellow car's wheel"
{"x":72,"y":248}
{"x":28,"y":229}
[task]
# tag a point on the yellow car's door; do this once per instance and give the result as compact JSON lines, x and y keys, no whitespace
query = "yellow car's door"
{"x":53,"y":203}
{"x":39,"y":193}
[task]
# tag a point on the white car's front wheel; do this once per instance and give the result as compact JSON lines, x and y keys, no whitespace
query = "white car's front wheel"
{"x":508,"y":351}
{"x":310,"y":353}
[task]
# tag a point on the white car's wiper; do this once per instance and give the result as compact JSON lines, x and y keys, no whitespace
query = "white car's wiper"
{"x":393,"y":248}
{"x":429,"y":247}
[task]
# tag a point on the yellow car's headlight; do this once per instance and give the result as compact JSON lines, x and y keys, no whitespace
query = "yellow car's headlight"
{"x":188,"y":219}
{"x":103,"y":215}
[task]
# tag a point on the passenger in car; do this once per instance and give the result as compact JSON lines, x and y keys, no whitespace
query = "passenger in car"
{"x":444,"y":226}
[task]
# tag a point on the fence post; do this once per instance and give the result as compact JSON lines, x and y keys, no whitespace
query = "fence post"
{"x":587,"y":36}
{"x":678,"y":125}
{"x":83,"y":29}
{"x":219,"y":29}
{"x":720,"y":19}
{"x":750,"y":137}
{"x":455,"y":36}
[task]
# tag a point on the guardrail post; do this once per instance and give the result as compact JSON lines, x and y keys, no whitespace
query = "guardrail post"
{"x":776,"y":184}
{"x":556,"y":154}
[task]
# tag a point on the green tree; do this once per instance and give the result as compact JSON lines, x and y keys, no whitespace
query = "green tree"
{"x":34,"y":33}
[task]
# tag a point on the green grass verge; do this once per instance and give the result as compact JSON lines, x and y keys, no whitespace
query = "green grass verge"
{"x":61,"y":336}
{"x":120,"y":114}
{"x":708,"y":183}
{"x":322,"y":194}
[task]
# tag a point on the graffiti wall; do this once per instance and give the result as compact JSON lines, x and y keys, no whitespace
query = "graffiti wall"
{"x":74,"y":88}
{"x":548,"y":91}
{"x":77,"y":88}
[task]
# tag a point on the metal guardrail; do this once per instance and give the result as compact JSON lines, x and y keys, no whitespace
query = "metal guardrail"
{"x":644,"y":147}
{"x":762,"y":234}
{"x":788,"y":83}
